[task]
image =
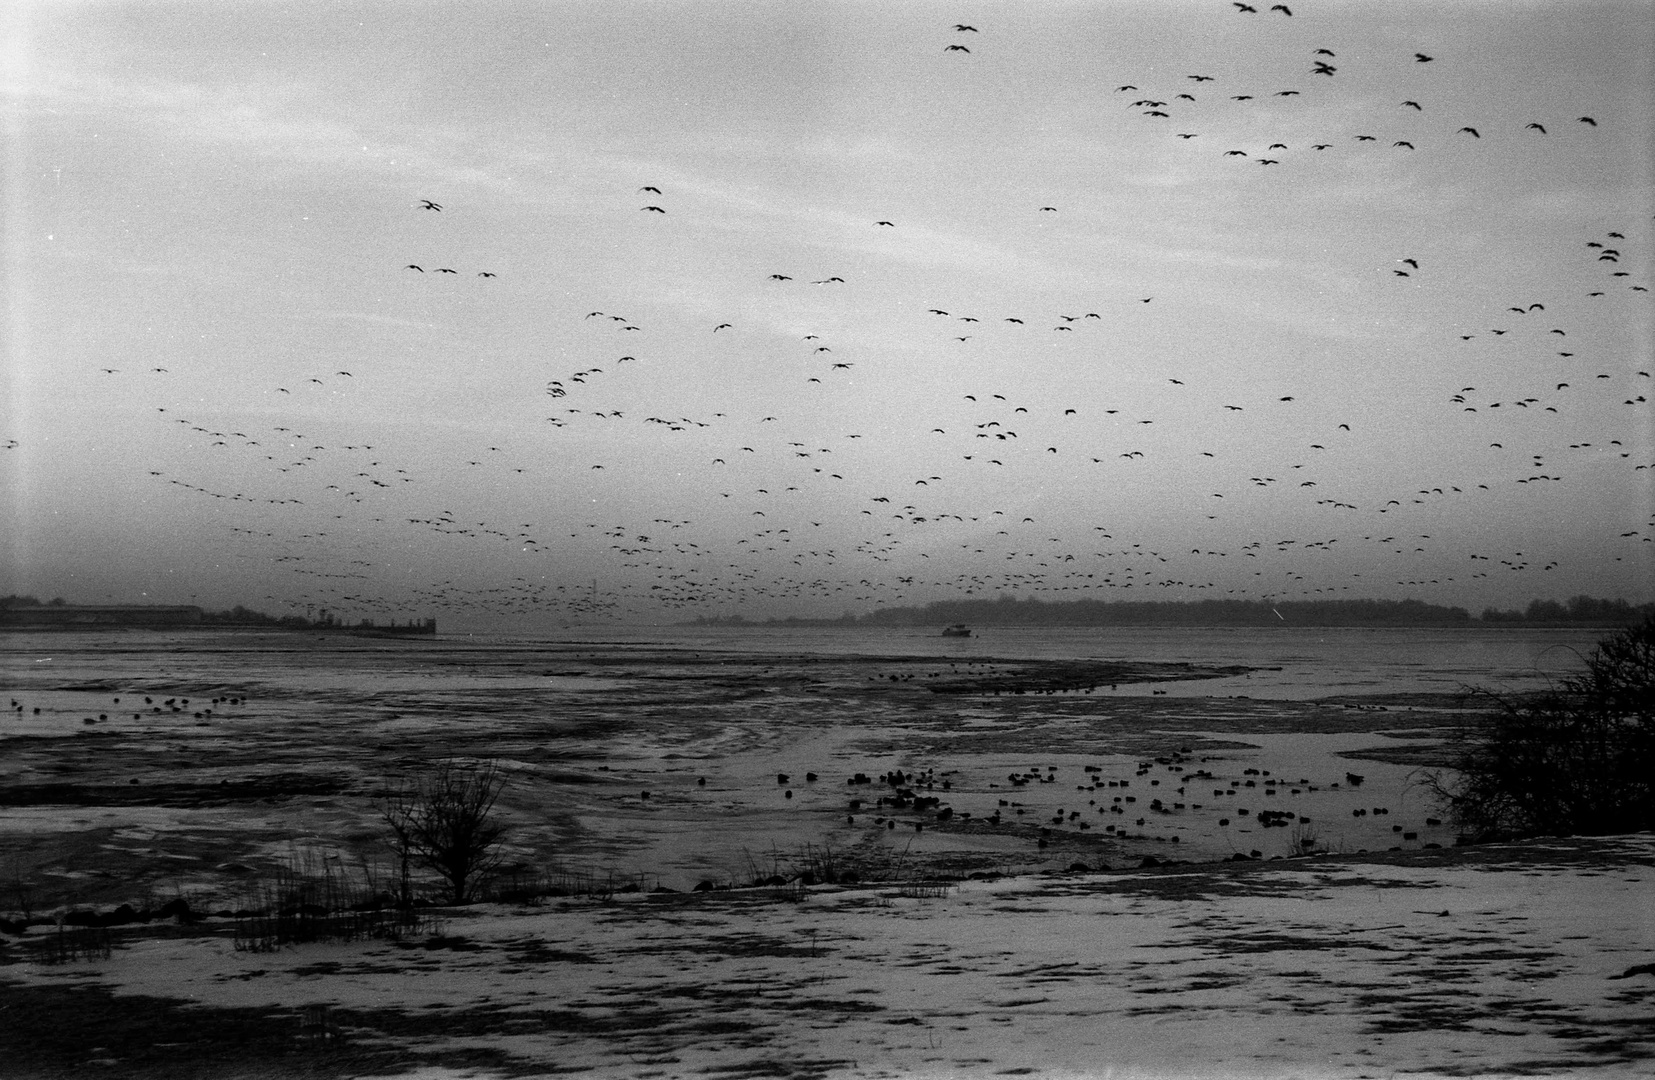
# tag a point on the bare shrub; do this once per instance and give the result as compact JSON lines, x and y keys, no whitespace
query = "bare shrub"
{"x":1576,"y":759}
{"x":1304,"y":838}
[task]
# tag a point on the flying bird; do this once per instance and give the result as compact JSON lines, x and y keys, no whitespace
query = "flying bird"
{"x":956,"y":48}
{"x":427,"y":204}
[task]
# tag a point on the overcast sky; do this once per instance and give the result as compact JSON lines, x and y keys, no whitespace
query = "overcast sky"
{"x":810,"y":308}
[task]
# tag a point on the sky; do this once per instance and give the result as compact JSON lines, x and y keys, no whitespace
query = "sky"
{"x":561,"y":312}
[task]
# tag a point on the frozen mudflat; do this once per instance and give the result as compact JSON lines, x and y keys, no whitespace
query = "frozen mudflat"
{"x":1357,"y":940}
{"x":1498,"y":960}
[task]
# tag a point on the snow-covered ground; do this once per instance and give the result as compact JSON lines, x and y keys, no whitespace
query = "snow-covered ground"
{"x":1495,"y":960}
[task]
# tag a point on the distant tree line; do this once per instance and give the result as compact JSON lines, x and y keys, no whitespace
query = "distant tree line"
{"x":324,"y":620}
{"x":245,"y":616}
{"x":1585,"y":610}
{"x":1007,"y":610}
{"x":241,"y":616}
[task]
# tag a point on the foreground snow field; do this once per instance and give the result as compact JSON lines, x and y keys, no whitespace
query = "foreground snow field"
{"x":1492,"y":960}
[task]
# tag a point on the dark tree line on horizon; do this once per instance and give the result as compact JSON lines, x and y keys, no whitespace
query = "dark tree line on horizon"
{"x":1009,"y":611}
{"x":236,"y":616}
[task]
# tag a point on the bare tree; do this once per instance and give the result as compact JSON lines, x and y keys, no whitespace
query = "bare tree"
{"x":444,"y":820}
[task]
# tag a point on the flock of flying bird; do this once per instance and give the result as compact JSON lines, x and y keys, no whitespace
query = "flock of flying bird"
{"x":824,"y":521}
